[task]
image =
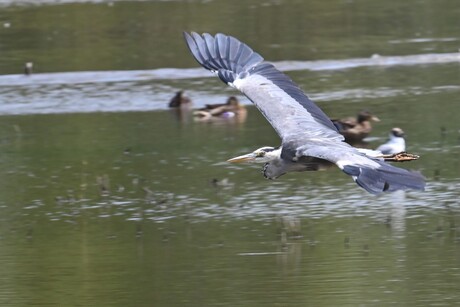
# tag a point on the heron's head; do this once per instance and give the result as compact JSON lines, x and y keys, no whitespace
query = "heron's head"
{"x":261,"y":155}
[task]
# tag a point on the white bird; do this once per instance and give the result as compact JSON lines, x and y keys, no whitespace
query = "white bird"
{"x":396,"y":144}
{"x":309,"y":140}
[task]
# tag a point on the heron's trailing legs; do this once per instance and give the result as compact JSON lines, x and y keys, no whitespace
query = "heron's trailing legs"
{"x":399,"y":157}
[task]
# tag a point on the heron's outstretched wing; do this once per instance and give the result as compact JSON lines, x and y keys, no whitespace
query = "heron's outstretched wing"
{"x":279,"y":99}
{"x":372,"y":174}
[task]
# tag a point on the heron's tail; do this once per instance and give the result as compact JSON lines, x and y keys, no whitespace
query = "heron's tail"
{"x":223,"y":55}
{"x":385,"y":178}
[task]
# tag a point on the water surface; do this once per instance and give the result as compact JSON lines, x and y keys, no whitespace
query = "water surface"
{"x":109,"y":199}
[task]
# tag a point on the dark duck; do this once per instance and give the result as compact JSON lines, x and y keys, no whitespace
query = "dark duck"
{"x":355,"y":129}
{"x":180,"y":100}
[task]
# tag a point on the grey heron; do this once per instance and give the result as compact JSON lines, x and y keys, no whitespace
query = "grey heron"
{"x":309,"y":139}
{"x":395,"y":144}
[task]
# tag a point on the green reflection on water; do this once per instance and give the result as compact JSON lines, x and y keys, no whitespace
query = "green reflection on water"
{"x":158,"y":232}
{"x":146,"y":35}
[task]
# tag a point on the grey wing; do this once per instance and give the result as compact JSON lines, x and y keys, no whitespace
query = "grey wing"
{"x":291,"y":113}
{"x":372,"y":174}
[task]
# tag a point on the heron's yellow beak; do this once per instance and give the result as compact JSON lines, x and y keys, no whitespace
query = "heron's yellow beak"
{"x":375,"y":118}
{"x":244,"y":158}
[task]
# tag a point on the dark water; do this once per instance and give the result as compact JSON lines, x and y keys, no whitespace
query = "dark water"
{"x":103,"y":207}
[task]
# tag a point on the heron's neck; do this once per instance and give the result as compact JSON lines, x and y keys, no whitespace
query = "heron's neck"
{"x":273,"y":155}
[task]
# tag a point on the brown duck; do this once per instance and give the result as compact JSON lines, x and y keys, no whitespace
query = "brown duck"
{"x":180,"y":100}
{"x":355,"y":129}
{"x":232,"y":108}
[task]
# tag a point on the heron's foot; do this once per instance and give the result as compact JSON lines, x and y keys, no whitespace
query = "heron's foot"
{"x":400,"y":157}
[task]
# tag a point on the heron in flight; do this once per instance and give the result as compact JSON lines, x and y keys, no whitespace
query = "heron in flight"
{"x":309,"y":139}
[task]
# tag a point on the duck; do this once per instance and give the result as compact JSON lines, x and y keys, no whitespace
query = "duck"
{"x":232,"y":100}
{"x":355,"y":129}
{"x":180,"y":100}
{"x":232,"y":108}
{"x":395,"y":144}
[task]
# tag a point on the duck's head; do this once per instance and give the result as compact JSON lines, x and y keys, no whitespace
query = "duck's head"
{"x":233,"y":101}
{"x":365,"y":115}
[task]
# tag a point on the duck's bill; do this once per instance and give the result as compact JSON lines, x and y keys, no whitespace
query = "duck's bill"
{"x":375,"y":118}
{"x":244,"y":158}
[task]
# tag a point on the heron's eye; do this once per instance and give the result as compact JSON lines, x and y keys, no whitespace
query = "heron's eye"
{"x":260,"y":154}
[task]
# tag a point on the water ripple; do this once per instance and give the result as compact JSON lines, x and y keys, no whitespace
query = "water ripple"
{"x":263,"y":204}
{"x":188,"y":73}
{"x":117,"y":91}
